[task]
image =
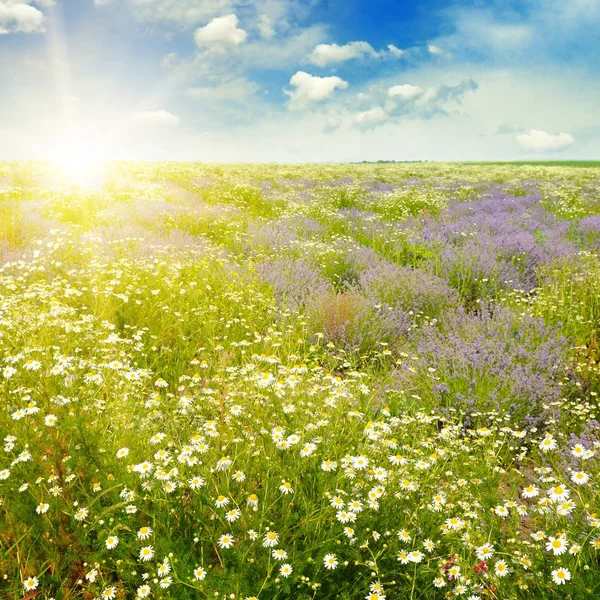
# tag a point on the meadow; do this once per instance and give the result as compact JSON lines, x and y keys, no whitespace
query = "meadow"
{"x":307,"y":382}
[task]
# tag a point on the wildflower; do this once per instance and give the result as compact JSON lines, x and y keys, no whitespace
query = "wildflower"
{"x":415,"y":556}
{"x":574,"y":549}
{"x":199,"y":573}
{"x":404,"y":536}
{"x":579,"y":477}
{"x":4,"y":474}
{"x":50,"y":420}
{"x":196,"y":482}
{"x":109,"y":593}
{"x":428,"y":545}
{"x":144,"y":533}
{"x":530,"y":492}
{"x":285,"y":570}
{"x":225,"y":541}
{"x":166,"y":582}
{"x":548,"y":443}
{"x":565,"y":508}
{"x":81,"y":514}
{"x":344,"y":517}
{"x":30,"y":583}
{"x":143,"y":591}
{"x":92,"y":575}
{"x":223,"y":463}
{"x":454,"y":523}
{"x":360,"y":462}
{"x":501,"y":568}
{"x":337,"y":502}
{"x":329,"y":465}
{"x":239,"y":476}
{"x":233,"y":515}
{"x":330,"y":561}
{"x":481,"y":567}
{"x":404,"y":558}
{"x":112,"y":542}
{"x":557,"y":545}
{"x":222,"y":501}
{"x":484,"y":552}
{"x":408,"y":485}
{"x":308,"y":449}
{"x":271,"y":539}
{"x":376,"y":588}
{"x":146,"y":553}
{"x":252,"y":501}
{"x":42,"y":508}
{"x":559,"y":493}
{"x":561,"y":575}
{"x":279,"y":554}
{"x":374,"y":596}
{"x":286,"y":488}
{"x":501,"y":511}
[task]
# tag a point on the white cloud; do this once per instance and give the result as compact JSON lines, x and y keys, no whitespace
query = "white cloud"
{"x":265,"y":27}
{"x":310,"y":88}
{"x":221,"y":31}
{"x":395,"y":51}
{"x":325,"y":54}
{"x":542,"y":141}
{"x":369,"y":119}
{"x":18,"y":16}
{"x":435,"y":50}
{"x":427,"y":96}
{"x":156,"y":117}
{"x":405,"y":91}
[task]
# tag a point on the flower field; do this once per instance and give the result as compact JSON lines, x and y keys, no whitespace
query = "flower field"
{"x":325,"y":381}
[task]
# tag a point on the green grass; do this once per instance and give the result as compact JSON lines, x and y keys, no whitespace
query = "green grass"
{"x":387,"y":428}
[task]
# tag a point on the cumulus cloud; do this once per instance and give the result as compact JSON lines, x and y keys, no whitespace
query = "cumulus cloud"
{"x":310,"y":89}
{"x":541,"y":141}
{"x":405,"y":91}
{"x":395,"y":51}
{"x":18,"y":16}
{"x":221,"y":31}
{"x":326,"y":54}
{"x":156,"y":117}
{"x":369,"y":119}
{"x":435,"y":50}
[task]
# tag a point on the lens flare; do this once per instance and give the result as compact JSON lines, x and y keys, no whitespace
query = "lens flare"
{"x":79,"y":164}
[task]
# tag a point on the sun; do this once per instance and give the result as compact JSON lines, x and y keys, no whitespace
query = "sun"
{"x":79,"y":164}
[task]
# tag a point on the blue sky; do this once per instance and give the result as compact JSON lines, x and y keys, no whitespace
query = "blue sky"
{"x":300,"y":80}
